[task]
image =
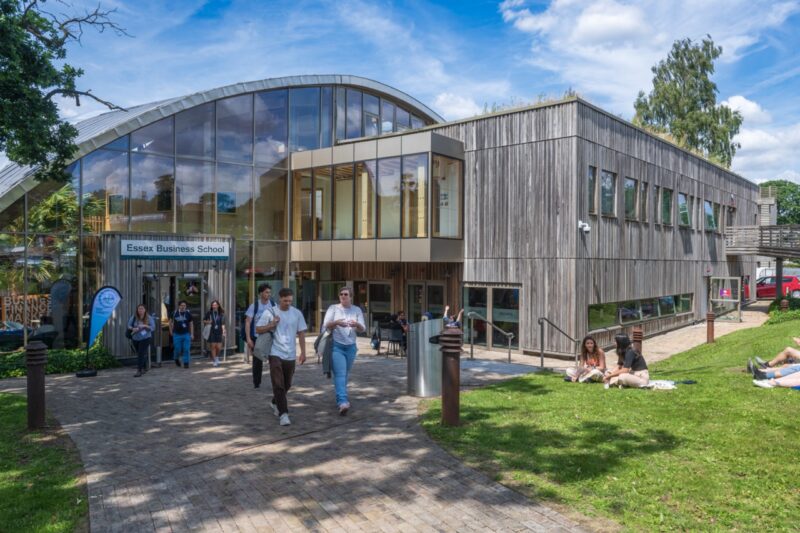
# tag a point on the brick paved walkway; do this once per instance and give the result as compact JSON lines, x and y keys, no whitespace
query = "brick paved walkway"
{"x":199,"y":449}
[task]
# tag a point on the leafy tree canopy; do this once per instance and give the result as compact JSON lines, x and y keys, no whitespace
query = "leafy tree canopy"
{"x":33,"y":71}
{"x":683,"y":102}
{"x":788,"y":198}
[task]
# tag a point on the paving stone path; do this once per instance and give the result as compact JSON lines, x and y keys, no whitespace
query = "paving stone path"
{"x":199,"y":449}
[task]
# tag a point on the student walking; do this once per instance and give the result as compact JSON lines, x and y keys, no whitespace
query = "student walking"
{"x":141,"y":326}
{"x":345,"y":320}
{"x":253,"y":315}
{"x":181,"y":327}
{"x":215,"y":321}
{"x":286,"y":323}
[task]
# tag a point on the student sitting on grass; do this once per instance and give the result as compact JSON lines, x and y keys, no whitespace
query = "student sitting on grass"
{"x":789,"y":355}
{"x":632,"y":368}
{"x":591,"y":362}
{"x":791,"y":382}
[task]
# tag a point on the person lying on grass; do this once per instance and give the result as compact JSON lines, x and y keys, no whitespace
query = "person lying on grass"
{"x":792,"y":382}
{"x":591,"y":362}
{"x":632,"y":368}
{"x":771,"y":372}
{"x":789,"y":356}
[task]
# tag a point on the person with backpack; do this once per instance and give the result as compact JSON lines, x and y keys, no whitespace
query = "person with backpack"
{"x":253,"y":314}
{"x":181,"y":327}
{"x":140,"y":328}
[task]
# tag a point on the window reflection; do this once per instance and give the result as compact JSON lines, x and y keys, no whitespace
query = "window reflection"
{"x":389,"y":179}
{"x":301,"y":205}
{"x":415,"y":195}
{"x":156,"y":138}
{"x":326,"y":117}
{"x":341,"y":113}
{"x":152,"y":189}
{"x":105,"y":190}
{"x":372,"y":119}
{"x":343,"y":202}
{"x":271,"y":128}
{"x":194,"y":196}
{"x":387,"y":116}
{"x":235,"y":128}
{"x":271,"y":204}
{"x":416,"y":122}
{"x":304,"y":119}
{"x":235,"y":200}
{"x":446,"y":191}
{"x":323,"y":203}
{"x":353,"y":113}
{"x":403,"y":119}
{"x":365,"y":199}
{"x":194,"y":131}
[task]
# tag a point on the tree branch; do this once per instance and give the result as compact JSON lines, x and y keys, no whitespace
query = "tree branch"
{"x":77,"y":94}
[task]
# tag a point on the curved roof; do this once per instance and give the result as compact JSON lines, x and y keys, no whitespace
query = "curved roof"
{"x":100,"y":130}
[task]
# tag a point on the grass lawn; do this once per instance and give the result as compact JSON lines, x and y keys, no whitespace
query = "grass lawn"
{"x":40,"y":475}
{"x":718,"y":455}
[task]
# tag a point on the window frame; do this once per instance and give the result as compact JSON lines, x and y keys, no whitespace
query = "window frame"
{"x":613,"y":175}
{"x":632,"y":217}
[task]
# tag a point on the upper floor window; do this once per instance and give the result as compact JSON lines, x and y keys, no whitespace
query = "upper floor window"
{"x":643,"y":202}
{"x":666,"y":206}
{"x":446,"y":197}
{"x":631,"y":195}
{"x":684,"y":210}
{"x":608,"y":193}
{"x":592,"y":189}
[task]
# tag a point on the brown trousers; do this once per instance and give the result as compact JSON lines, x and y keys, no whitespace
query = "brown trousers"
{"x":280,"y":373}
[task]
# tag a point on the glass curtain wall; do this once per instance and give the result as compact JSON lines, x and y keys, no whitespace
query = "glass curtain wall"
{"x":446,"y":197}
{"x":343,"y":192}
{"x":389,"y":180}
{"x":415,"y":196}
{"x":365,"y":208}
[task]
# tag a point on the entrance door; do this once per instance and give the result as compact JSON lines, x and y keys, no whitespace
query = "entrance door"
{"x":425,"y":297}
{"x":162,"y":292}
{"x":380,"y":302}
{"x":192,"y":288}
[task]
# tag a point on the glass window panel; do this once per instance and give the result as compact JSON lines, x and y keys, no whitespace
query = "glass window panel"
{"x":302,"y":222}
{"x":123,"y":143}
{"x":629,"y":312}
{"x":326,"y":117}
{"x":12,"y":216}
{"x":271,"y":128}
{"x":608,"y":192}
{"x":387,"y":116}
{"x":643,"y":203}
{"x":388,"y":189}
{"x":194,"y":131}
{"x":152,"y":185}
{"x":53,"y":207}
{"x":649,"y":309}
{"x":716,"y":216}
{"x":353,"y":113}
{"x":365,"y":199}
{"x":235,"y":128}
{"x":372,"y":121}
{"x":475,"y":300}
{"x":415,"y":196}
{"x":194,"y":196}
{"x":304,"y":119}
{"x":666,"y":305}
{"x":683,"y":303}
{"x":343,"y":202}
{"x":271,"y":204}
{"x":684,"y":213}
{"x":656,"y":203}
{"x":666,"y":206}
{"x":402,"y":119}
{"x":711,"y":223}
{"x":234,"y":188}
{"x":156,"y":138}
{"x":371,"y":104}
{"x":323,"y":200}
{"x":105,"y":191}
{"x":416,"y":122}
{"x":631,"y":195}
{"x":505,"y":315}
{"x":270,"y":261}
{"x":592,"y":180}
{"x":446,"y":190}
{"x":243,"y":296}
{"x":341,"y":114}
{"x":602,"y":316}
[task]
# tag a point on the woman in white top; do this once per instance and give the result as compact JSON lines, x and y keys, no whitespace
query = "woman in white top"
{"x":344,"y":320}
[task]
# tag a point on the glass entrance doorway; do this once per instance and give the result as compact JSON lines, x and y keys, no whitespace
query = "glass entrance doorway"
{"x":375,"y":299}
{"x":500,"y":305}
{"x":425,"y":296}
{"x":162,"y":293}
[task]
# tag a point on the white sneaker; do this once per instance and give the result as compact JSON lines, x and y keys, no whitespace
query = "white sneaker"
{"x":763,"y":383}
{"x":285,"y":419}
{"x":216,"y":361}
{"x":275,"y":409}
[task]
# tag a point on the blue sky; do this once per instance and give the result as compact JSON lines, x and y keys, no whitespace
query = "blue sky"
{"x":458,"y":56}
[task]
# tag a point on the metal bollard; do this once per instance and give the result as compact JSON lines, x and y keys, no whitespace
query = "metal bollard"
{"x":638,"y":335}
{"x":710,"y":327}
{"x":451,"y":340}
{"x":784,"y":304}
{"x":36,"y":361}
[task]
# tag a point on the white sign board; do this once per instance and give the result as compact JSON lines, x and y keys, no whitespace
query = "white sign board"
{"x":151,"y":249}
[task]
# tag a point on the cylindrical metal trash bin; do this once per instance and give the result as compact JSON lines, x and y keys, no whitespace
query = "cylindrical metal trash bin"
{"x":424,"y":359}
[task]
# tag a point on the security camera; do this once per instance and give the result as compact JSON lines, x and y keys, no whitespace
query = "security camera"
{"x":584,"y":226}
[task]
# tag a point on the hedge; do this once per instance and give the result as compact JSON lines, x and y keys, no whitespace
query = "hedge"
{"x":12,"y":364}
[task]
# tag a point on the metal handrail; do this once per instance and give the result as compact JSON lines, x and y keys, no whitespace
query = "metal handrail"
{"x":541,"y":321}
{"x":472,"y":315}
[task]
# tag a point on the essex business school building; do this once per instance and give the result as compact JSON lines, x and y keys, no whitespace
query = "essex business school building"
{"x":559,"y":210}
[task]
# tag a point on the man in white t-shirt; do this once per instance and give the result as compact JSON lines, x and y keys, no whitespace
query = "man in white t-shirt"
{"x":253,"y":314}
{"x":287,"y":323}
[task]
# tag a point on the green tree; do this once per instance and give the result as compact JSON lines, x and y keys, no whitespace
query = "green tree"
{"x":683,"y":102}
{"x":788,"y":197}
{"x":33,"y":71}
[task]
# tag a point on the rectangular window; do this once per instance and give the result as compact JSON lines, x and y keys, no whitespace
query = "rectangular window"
{"x":271,"y":128}
{"x":416,"y":122}
{"x":602,"y":316}
{"x":666,"y":206}
{"x":716,"y":216}
{"x":303,"y":119}
{"x":683,"y":303}
{"x":684,"y":210}
{"x":446,"y":187}
{"x":711,"y":223}
{"x":271,"y":204}
{"x":666,"y":305}
{"x":151,"y":205}
{"x":365,"y":208}
{"x":415,"y":196}
{"x":631,"y":195}
{"x":301,"y":205}
{"x":105,"y":190}
{"x":592,"y":182}
{"x":323,"y":203}
{"x":326,"y":117}
{"x":402,"y":119}
{"x":629,"y":312}
{"x":643,"y":202}
{"x":372,"y":115}
{"x":649,"y":308}
{"x":608,"y":193}
{"x":341,"y":114}
{"x":194,"y":131}
{"x":235,"y":128}
{"x":343,"y":202}
{"x":353,"y":113}
{"x":235,"y":200}
{"x":387,"y":116}
{"x":656,"y":203}
{"x":155,"y":138}
{"x":389,"y":182}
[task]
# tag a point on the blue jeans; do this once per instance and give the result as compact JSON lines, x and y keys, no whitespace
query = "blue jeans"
{"x":785,"y":371}
{"x":181,"y":343}
{"x":344,"y":355}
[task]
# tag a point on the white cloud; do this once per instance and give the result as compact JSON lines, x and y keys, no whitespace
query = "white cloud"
{"x":752,"y":112}
{"x":456,"y":106}
{"x":768,"y":151}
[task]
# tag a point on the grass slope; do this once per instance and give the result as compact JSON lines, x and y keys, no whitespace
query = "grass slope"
{"x":717,"y":455}
{"x":39,"y":476}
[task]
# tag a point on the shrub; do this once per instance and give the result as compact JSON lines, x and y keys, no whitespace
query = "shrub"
{"x":794,"y":304}
{"x":778,"y":317}
{"x":12,"y":364}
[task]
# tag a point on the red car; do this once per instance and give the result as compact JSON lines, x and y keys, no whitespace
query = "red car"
{"x":765,"y":287}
